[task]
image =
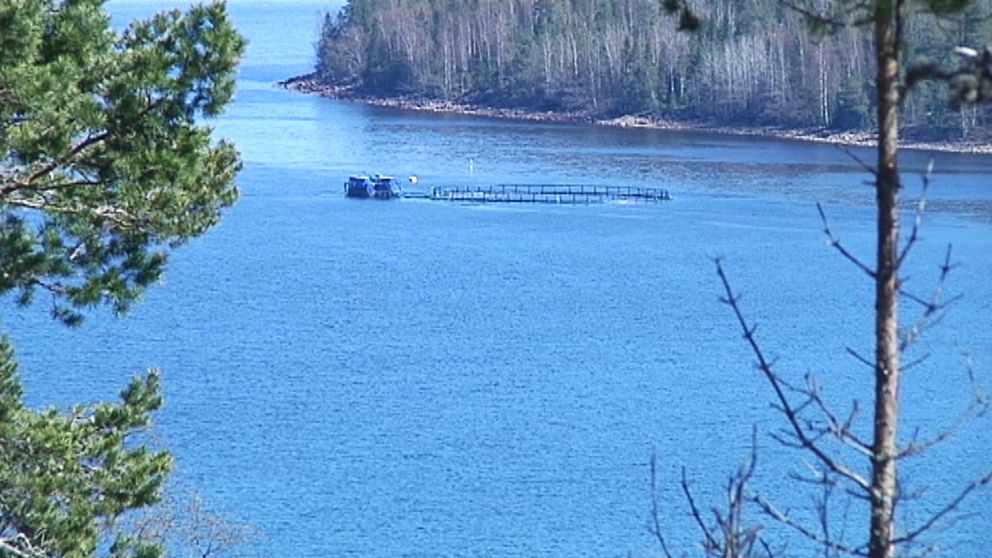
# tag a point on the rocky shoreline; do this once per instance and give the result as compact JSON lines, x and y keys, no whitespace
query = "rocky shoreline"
{"x":309,"y":85}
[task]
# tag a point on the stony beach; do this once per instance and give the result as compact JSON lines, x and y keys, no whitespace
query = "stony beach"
{"x":310,"y":85}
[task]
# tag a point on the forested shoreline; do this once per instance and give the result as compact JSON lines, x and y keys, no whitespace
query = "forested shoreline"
{"x":751,"y":65}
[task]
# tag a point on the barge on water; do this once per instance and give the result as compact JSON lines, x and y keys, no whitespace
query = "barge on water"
{"x":378,"y":186}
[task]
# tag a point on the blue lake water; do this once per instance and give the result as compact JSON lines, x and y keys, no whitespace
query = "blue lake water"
{"x":418,"y":378}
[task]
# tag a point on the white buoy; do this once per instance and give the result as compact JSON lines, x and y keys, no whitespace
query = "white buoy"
{"x":414,"y":179}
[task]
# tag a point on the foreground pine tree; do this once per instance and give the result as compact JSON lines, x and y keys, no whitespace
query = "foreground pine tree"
{"x":105,"y":166}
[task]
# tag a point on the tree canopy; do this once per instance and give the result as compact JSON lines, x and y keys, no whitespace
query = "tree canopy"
{"x":751,"y":63}
{"x":106,"y":165}
{"x":103,"y":162}
{"x":65,"y":477}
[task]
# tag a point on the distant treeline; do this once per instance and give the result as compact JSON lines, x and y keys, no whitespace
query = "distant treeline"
{"x":752,"y":63}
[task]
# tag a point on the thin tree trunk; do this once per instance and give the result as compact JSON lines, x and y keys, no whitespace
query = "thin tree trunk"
{"x":887,"y":365}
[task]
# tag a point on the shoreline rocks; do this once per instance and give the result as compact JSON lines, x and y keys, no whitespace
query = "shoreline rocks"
{"x":308,"y":84}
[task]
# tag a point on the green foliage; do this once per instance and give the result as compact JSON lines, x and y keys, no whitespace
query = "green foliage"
{"x":66,"y":477}
{"x":103,"y":164}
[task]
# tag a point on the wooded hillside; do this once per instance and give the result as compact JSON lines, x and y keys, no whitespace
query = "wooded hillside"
{"x":752,"y":63}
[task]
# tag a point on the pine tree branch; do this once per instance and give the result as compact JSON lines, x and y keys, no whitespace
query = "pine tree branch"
{"x":77,"y":150}
{"x":49,"y":167}
{"x":19,"y":546}
{"x":834,"y":24}
{"x":113,"y":215}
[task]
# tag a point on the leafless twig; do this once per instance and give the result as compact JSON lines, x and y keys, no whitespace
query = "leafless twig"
{"x":709,"y":541}
{"x":730,"y":536}
{"x":857,"y":356}
{"x":836,"y":244}
{"x":842,"y":430}
{"x":784,"y":519}
{"x":655,"y":528}
{"x":932,"y":307}
{"x":861,"y":162}
{"x":921,"y":205}
{"x":785,"y":406}
{"x":951,"y":506}
{"x":976,"y":407}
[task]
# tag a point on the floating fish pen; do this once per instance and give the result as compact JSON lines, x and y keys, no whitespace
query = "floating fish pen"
{"x":549,"y":193}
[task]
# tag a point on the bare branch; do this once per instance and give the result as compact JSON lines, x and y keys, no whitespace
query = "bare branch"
{"x":949,"y":508}
{"x":861,"y":162}
{"x":841,"y":430}
{"x":921,"y":205}
{"x":738,"y":541}
{"x":915,"y":447}
{"x":836,"y":244}
{"x":912,"y":335}
{"x":655,"y":528}
{"x":786,"y":407}
{"x":768,"y":549}
{"x":784,"y":519}
{"x":823,"y":512}
{"x":929,"y":306}
{"x":709,"y":539}
{"x":978,"y":405}
{"x":782,"y":440}
{"x":183,"y":521}
{"x":932,"y":307}
{"x":915,"y":363}
{"x":860,"y":358}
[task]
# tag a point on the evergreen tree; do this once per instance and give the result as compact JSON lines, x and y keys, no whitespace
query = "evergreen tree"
{"x":65,"y":478}
{"x":105,"y":166}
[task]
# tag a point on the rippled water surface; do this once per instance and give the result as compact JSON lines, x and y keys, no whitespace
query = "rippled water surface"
{"x":415,"y":378}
